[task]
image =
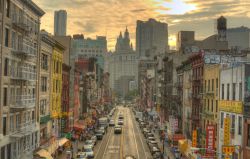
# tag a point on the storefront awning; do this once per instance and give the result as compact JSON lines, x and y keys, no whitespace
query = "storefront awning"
{"x":44,"y":153}
{"x":183,"y":146}
{"x":79,"y":126}
{"x":53,"y":147}
{"x":62,"y":141}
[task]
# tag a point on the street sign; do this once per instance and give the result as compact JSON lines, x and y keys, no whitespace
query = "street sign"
{"x":227,"y":131}
{"x":194,"y":138}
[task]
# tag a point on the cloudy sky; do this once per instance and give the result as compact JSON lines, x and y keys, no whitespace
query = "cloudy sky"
{"x":109,"y":17}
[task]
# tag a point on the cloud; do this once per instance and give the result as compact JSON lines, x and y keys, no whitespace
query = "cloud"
{"x":109,"y":17}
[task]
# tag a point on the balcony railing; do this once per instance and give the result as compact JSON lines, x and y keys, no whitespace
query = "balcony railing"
{"x":23,"y":101}
{"x":20,"y":21}
{"x":26,"y":50}
{"x":24,"y":129}
{"x":23,"y":73}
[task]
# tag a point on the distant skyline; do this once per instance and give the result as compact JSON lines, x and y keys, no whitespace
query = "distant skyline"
{"x":109,"y":17}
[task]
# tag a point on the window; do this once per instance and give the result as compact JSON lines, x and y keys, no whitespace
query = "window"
{"x":6,"y":64}
{"x":13,"y":40}
{"x":208,"y":85}
{"x":43,"y":104}
{"x":248,"y":135}
{"x":44,"y":84}
{"x":234,"y":90}
{"x":233,"y":124}
{"x":11,"y":123}
{"x":240,"y":125}
{"x":212,"y":105}
{"x":216,"y":106}
{"x":228,"y":91}
{"x":221,"y":119}
{"x":5,"y":96}
{"x":208,"y":105}
{"x":205,"y":86}
{"x":44,"y":63}
{"x":212,"y":84}
{"x":6,"y":38}
{"x":7,"y":8}
{"x":222,"y":91}
{"x":4,"y":126}
{"x":240,"y":91}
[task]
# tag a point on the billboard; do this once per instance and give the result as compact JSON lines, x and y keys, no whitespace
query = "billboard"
{"x":231,"y":106}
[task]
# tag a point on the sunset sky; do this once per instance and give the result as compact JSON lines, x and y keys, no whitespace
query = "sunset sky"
{"x":109,"y":17}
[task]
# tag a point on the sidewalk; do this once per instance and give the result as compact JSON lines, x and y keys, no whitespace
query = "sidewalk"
{"x":167,"y":151}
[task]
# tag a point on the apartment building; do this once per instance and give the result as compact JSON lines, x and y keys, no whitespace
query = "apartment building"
{"x":56,"y":85}
{"x":46,"y":51}
{"x":19,"y":78}
{"x":232,"y":84}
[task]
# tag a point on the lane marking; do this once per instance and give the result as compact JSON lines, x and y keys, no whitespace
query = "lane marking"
{"x":138,"y":155}
{"x":103,"y":141}
{"x":139,"y":133}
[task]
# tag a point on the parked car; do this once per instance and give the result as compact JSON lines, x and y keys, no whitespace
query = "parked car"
{"x":157,"y":155}
{"x":89,"y":143}
{"x":81,"y":155}
{"x":89,"y":152}
{"x":118,"y":129}
{"x":150,"y":139}
{"x":111,"y":122}
{"x":149,"y":134}
{"x":155,"y":150}
{"x":102,"y":129}
{"x":94,"y":139}
{"x":99,"y":135}
{"x":120,"y":116}
{"x":145,"y":131}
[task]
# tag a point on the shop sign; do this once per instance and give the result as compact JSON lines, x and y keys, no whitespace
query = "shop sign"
{"x":231,"y":106}
{"x":210,"y":139}
{"x":228,"y":150}
{"x":226,"y":131}
{"x":177,"y":137}
{"x":194,"y":138}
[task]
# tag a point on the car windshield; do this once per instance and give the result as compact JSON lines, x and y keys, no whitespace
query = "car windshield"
{"x":88,"y":150}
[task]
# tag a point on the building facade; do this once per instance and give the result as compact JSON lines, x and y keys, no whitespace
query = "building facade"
{"x":231,"y":106}
{"x":123,"y":62}
{"x":211,"y":83}
{"x":151,"y":38}
{"x":46,"y":50}
{"x":56,"y":85}
{"x":60,"y":23}
{"x":19,"y":78}
{"x":238,"y":38}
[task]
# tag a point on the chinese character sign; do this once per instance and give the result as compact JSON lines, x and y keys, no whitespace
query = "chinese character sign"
{"x":210,"y":139}
{"x":227,"y":131}
{"x":194,"y":138}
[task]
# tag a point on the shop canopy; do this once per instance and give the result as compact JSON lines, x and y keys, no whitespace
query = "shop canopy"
{"x":62,"y":141}
{"x":44,"y":154}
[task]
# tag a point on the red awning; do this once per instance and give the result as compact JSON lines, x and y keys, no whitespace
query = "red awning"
{"x":79,"y":126}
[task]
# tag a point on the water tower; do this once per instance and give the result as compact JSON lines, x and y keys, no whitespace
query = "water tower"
{"x":222,"y":28}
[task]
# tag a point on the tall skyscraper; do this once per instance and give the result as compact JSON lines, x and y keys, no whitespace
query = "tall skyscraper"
{"x":151,"y":38}
{"x":60,"y":23}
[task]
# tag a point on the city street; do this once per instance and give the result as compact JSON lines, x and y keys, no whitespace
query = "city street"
{"x":130,"y":142}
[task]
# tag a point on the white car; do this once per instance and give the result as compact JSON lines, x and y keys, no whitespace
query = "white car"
{"x":94,"y":139}
{"x":120,"y":122}
{"x":89,"y":152}
{"x":89,"y":143}
{"x":111,"y":122}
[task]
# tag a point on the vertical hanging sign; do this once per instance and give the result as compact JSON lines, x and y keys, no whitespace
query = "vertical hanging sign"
{"x":227,"y":131}
{"x":194,"y":138}
{"x":210,"y":139}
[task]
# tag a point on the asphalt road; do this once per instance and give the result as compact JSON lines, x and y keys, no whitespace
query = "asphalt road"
{"x":130,"y":142}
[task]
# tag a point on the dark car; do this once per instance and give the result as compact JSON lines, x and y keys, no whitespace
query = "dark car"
{"x":118,"y":129}
{"x":99,"y":135}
